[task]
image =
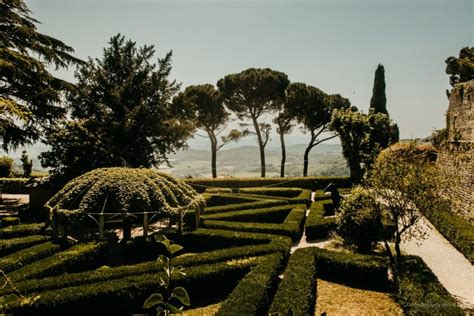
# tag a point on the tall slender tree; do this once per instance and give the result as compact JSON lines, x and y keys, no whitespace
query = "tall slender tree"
{"x":285,"y":123}
{"x":210,"y":115}
{"x":313,"y":108}
{"x":30,"y":96}
{"x":378,"y":102}
{"x":252,"y":93}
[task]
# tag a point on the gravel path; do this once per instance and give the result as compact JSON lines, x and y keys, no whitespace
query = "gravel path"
{"x":451,"y":268}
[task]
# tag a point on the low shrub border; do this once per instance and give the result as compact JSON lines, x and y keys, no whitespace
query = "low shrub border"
{"x":23,"y":257}
{"x":297,"y":290}
{"x":244,"y":206}
{"x":14,"y":185}
{"x":275,"y":214}
{"x":456,"y":229}
{"x":292,"y":226}
{"x":253,"y":294}
{"x":126,"y":295}
{"x":225,"y":199}
{"x":10,"y":221}
{"x":77,"y":258}
{"x":309,"y":183}
{"x":303,"y":198}
{"x":269,"y":244}
{"x":420,"y":292}
{"x":21,"y":230}
{"x":317,"y":225}
{"x":11,"y":245}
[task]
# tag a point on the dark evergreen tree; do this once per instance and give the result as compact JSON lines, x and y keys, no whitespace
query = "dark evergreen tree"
{"x":378,"y":102}
{"x":121,"y":113}
{"x":30,"y":96}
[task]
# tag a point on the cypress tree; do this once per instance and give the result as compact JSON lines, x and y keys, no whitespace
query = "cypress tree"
{"x":378,"y":102}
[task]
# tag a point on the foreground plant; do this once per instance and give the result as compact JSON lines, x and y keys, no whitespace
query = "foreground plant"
{"x":406,"y":185}
{"x":167,"y":301}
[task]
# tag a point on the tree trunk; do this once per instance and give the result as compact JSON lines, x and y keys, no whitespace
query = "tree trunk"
{"x":305,"y":161}
{"x":397,"y":245}
{"x":283,"y":155}
{"x":356,"y":172}
{"x":261,"y":147}
{"x":214,"y":158}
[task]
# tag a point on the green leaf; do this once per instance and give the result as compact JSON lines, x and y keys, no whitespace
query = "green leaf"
{"x":175,"y":248}
{"x":181,"y":294}
{"x":153,"y":300}
{"x":173,"y":308}
{"x":159,"y":311}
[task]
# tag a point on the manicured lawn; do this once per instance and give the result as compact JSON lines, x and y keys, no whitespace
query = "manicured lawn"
{"x":338,"y":299}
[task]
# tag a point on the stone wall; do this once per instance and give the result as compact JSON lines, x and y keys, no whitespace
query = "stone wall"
{"x":460,"y":114}
{"x":458,"y":164}
{"x":457,"y":156}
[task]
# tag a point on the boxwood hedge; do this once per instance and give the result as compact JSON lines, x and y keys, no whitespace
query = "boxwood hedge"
{"x":253,"y":294}
{"x":456,"y":229}
{"x":21,"y":230}
{"x":244,"y":206}
{"x":309,"y":183}
{"x":297,"y":291}
{"x":20,"y":258}
{"x":317,"y":224}
{"x":14,"y":185}
{"x":292,"y":226}
{"x":77,"y":258}
{"x":8,"y":246}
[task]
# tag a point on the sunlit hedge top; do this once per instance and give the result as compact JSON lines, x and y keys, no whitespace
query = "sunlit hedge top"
{"x":121,"y":190}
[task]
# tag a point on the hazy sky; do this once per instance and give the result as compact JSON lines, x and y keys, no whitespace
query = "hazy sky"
{"x":333,"y":45}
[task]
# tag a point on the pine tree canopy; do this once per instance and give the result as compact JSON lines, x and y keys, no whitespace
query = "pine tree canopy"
{"x":30,"y":96}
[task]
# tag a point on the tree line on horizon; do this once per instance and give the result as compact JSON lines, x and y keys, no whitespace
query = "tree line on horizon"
{"x":124,"y":110}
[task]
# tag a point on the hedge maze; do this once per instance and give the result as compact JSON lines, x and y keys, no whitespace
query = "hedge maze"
{"x":239,"y":257}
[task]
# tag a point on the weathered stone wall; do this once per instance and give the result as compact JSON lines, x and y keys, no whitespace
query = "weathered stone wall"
{"x":460,"y":114}
{"x":458,"y":164}
{"x":457,"y":157}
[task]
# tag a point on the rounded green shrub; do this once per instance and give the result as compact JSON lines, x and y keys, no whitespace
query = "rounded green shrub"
{"x":126,"y":190}
{"x":6,"y":166}
{"x":360,"y":221}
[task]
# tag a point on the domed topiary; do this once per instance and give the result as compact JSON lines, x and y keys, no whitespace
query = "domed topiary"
{"x":125,"y":191}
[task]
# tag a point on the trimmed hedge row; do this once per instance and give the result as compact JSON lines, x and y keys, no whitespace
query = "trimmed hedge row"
{"x":14,"y":185}
{"x":77,"y":258}
{"x":126,"y":295}
{"x":274,"y":214}
{"x":225,"y":199}
{"x":244,"y":206}
{"x":310,"y":183}
{"x":304,"y":199}
{"x":8,"y":246}
{"x":218,"y":190}
{"x":420,"y":292}
{"x":297,"y":290}
{"x":456,"y":229}
{"x":275,"y":191}
{"x":21,"y":230}
{"x":292,"y":226}
{"x":269,"y":244}
{"x":364,"y":271}
{"x":317,"y":225}
{"x":20,"y":258}
{"x":254,"y":292}
{"x":10,"y":221}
